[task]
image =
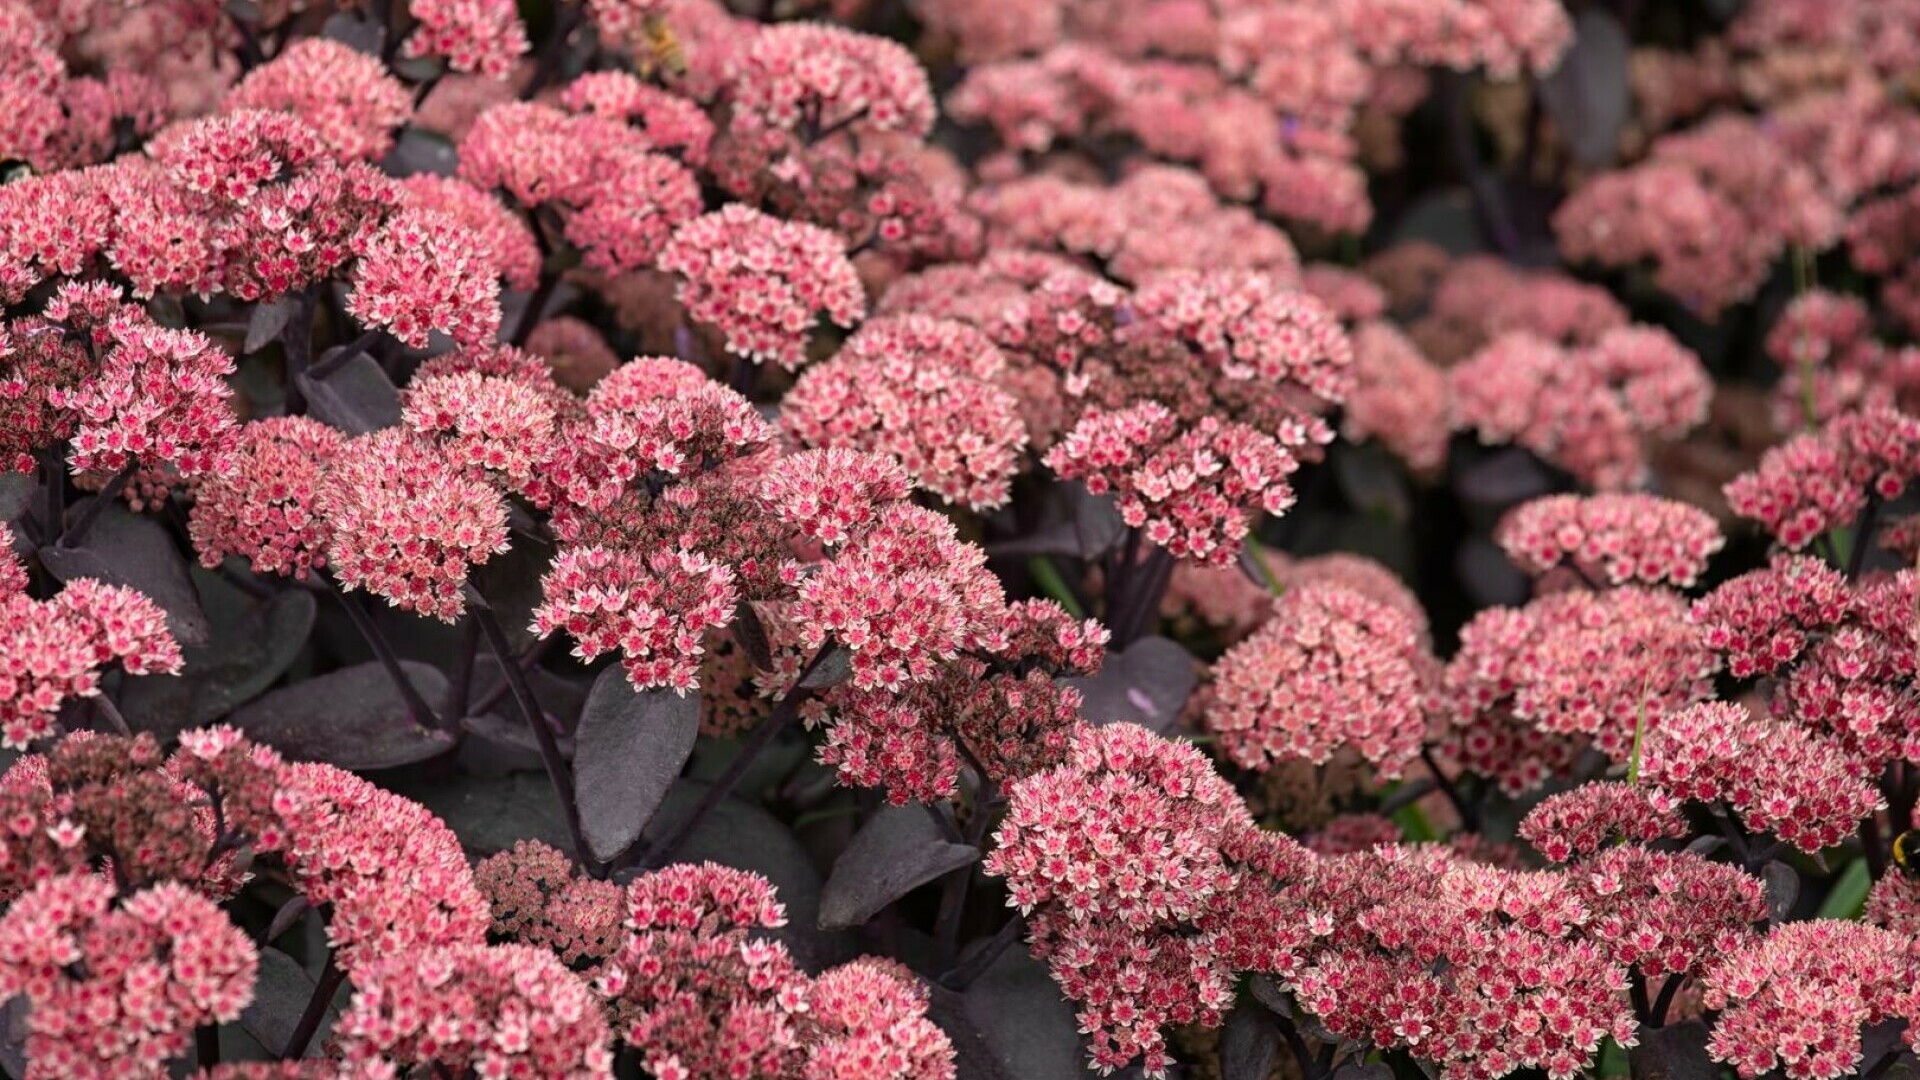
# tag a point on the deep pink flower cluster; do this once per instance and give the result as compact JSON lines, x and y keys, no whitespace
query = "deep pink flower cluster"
{"x":507,"y":239}
{"x":1472,"y":300}
{"x":1797,"y":999}
{"x":482,"y":36}
{"x":493,"y":1010}
{"x":1856,"y":682}
{"x":1764,"y":620}
{"x":1193,"y":491}
{"x":654,"y":609}
{"x":425,"y":273}
{"x":1583,"y":821}
{"x":265,"y":508}
{"x":866,"y":1020}
{"x":408,"y":524}
{"x":1612,"y":539}
{"x":891,"y":392}
{"x":1782,"y":779}
{"x":54,"y":650}
{"x":1820,"y":481}
{"x":1251,"y":326}
{"x":1112,"y":854}
{"x":1667,"y":913}
{"x":1600,"y":665}
{"x":1830,"y":362}
{"x":119,"y":982}
{"x":763,"y":283}
{"x":1330,"y":670}
{"x":1587,"y":410}
{"x":499,"y":424}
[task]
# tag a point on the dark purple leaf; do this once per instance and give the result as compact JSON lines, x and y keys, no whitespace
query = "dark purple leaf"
{"x":511,"y":582}
{"x":1147,"y":684}
{"x":1675,"y":1052}
{"x":1354,"y":1070}
{"x":1489,"y":483}
{"x":1489,"y":578}
{"x":253,"y":642}
{"x":491,"y":813}
{"x":356,"y":399}
{"x":973,"y":1057}
{"x":353,"y":718}
{"x":1026,"y":1023}
{"x":898,"y":850}
{"x":269,"y":318}
{"x":831,"y":671}
{"x":417,"y":151}
{"x":1249,"y":1044}
{"x":280,"y":995}
{"x":16,"y":491}
{"x":1446,"y":218}
{"x":1782,"y":887}
{"x":1587,"y":95}
{"x":751,"y":634}
{"x":1073,"y":522}
{"x":628,"y":750}
{"x":356,"y":32}
{"x":124,"y":549}
{"x":1268,"y":993}
{"x":284,"y":919}
{"x":1373,"y":481}
{"x":13,"y":1035}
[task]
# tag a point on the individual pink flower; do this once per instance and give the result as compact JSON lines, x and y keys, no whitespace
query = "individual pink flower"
{"x":482,"y":36}
{"x":54,"y":650}
{"x":1111,"y":854}
{"x":1781,"y":778}
{"x":1192,"y":492}
{"x":1584,"y":820}
{"x":1329,"y":671}
{"x":424,"y":272}
{"x":655,"y":609}
{"x":407,"y":524}
{"x":119,"y":987}
{"x":345,"y":95}
{"x":501,"y":233}
{"x":1797,"y":999}
{"x":867,"y":1020}
{"x":1398,"y":398}
{"x":492,"y":1010}
{"x":960,"y":436}
{"x":695,"y":986}
{"x":1820,"y":481}
{"x":762,"y":282}
{"x":1612,"y":539}
{"x":391,"y":875}
{"x":484,"y":422}
{"x":265,"y":509}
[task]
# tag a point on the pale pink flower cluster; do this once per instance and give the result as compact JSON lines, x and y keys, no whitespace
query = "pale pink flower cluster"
{"x":1782,"y":779}
{"x":53,"y":650}
{"x":1587,"y":410}
{"x":1115,"y":855}
{"x":504,"y":426}
{"x":347,"y":96}
{"x":1612,"y":539}
{"x":119,"y":983}
{"x":867,"y":1020}
{"x":653,"y":608}
{"x":1541,"y":665}
{"x":488,"y":1010}
{"x":1765,"y":619}
{"x":407,"y":524}
{"x":810,"y":79}
{"x":485,"y":37}
{"x":1474,"y":299}
{"x":1254,"y":327}
{"x":762,"y":282}
{"x":505,"y":237}
{"x":1797,"y":999}
{"x":426,"y":273}
{"x":1856,"y":682}
{"x":392,"y":875}
{"x":265,"y":508}
{"x":1192,"y":490}
{"x":890,"y":391}
{"x":667,"y":122}
{"x":1822,"y":480}
{"x":1329,"y":671}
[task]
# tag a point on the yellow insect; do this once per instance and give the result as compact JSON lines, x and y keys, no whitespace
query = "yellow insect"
{"x":1906,"y":852}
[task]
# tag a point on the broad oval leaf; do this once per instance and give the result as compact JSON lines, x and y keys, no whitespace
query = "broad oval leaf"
{"x":628,"y":750}
{"x":268,"y":319}
{"x":1249,"y":1043}
{"x":1073,"y":522}
{"x":356,"y":399}
{"x":280,"y":995}
{"x":1587,"y":95}
{"x":353,"y":718}
{"x":1782,"y":888}
{"x":1147,"y":684}
{"x":1674,"y":1052}
{"x":898,"y":850}
{"x":122,"y":548}
{"x":1026,"y":1023}
{"x":16,"y":490}
{"x":253,"y":643}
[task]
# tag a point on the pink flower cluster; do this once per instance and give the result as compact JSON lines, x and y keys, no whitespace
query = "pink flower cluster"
{"x":1668,"y":913}
{"x":119,"y":982}
{"x":1587,"y":410}
{"x":1782,"y":779}
{"x":1399,"y":398}
{"x":54,"y":650}
{"x":1612,"y":539}
{"x":654,"y":609}
{"x":1820,"y":481}
{"x":1330,"y":670}
{"x":265,"y":508}
{"x":348,"y":97}
{"x":1583,"y":821}
{"x":537,"y":898}
{"x":425,"y":273}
